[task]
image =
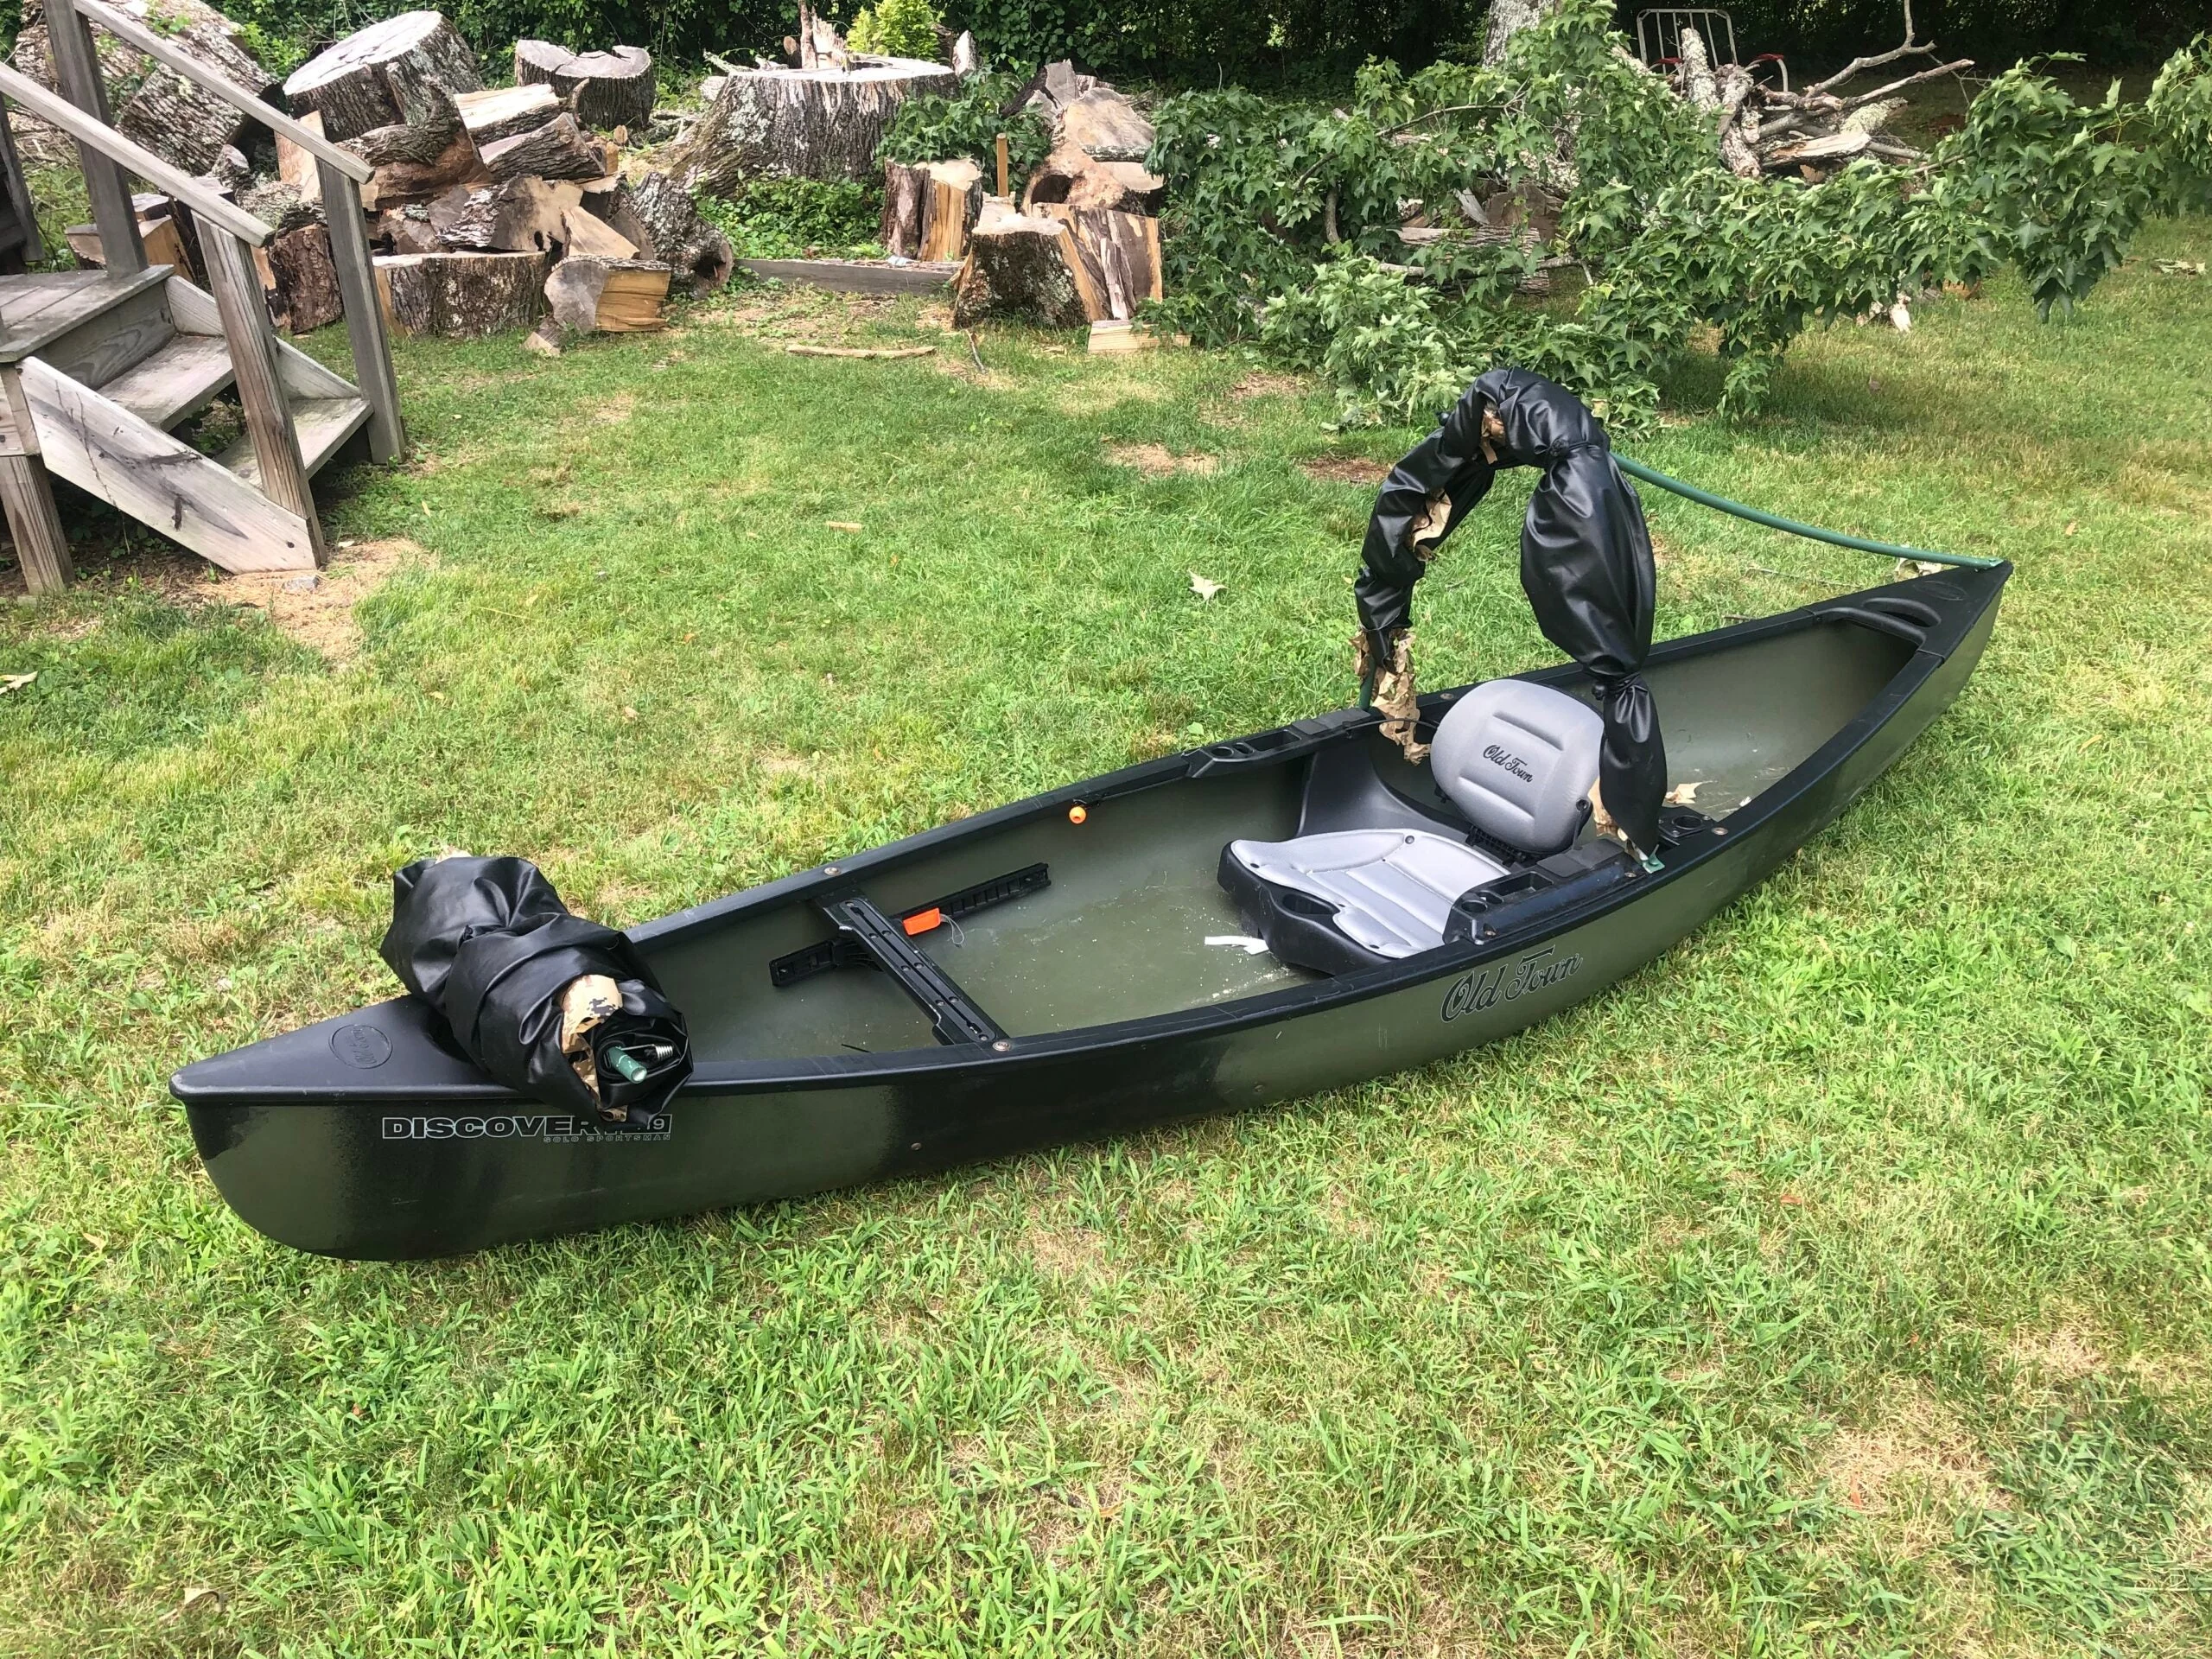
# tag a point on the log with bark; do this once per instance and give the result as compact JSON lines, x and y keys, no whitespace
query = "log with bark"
{"x":502,"y":111}
{"x":420,"y":158}
{"x":606,"y":89}
{"x":151,"y":105}
{"x":588,"y":295}
{"x":383,"y":75}
{"x":1113,"y":257}
{"x":659,"y":215}
{"x":557,"y":150}
{"x":928,"y":210}
{"x":303,"y":280}
{"x":812,"y":123}
{"x":408,"y":230}
{"x":524,"y":215}
{"x":462,"y":296}
{"x":1017,"y":269}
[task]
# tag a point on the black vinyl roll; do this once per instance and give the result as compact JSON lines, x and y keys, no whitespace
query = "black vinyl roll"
{"x":1586,"y":559}
{"x":488,"y":943}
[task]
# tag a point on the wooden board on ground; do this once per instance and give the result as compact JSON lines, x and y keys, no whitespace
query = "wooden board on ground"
{"x":462,"y":296}
{"x":590,"y":295}
{"x":855,"y":276}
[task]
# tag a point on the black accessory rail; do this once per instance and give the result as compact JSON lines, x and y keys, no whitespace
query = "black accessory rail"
{"x":845,"y":952}
{"x":951,"y":1015}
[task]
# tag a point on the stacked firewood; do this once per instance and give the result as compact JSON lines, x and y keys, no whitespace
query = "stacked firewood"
{"x":495,"y":203}
{"x":1762,"y":128}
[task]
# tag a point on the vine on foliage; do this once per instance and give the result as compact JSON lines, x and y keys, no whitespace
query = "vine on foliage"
{"x":1283,"y":219}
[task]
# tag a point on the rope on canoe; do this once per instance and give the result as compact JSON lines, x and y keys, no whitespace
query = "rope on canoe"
{"x":1772,"y":521}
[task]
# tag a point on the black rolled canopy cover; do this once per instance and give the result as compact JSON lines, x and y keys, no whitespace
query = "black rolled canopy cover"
{"x":1586,"y":561}
{"x":488,"y":943}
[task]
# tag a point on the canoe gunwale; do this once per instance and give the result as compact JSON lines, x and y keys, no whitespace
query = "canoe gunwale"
{"x":1976,"y":594}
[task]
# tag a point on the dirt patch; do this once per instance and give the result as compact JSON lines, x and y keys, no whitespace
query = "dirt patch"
{"x":316,"y":607}
{"x":2066,"y":1353}
{"x":616,"y":410}
{"x":1074,"y":1253}
{"x":1344,"y":469}
{"x":1918,"y":1443}
{"x":1154,"y":460}
{"x":1265,"y":383}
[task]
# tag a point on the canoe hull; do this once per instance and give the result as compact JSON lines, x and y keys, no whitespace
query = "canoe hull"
{"x":458,"y":1170}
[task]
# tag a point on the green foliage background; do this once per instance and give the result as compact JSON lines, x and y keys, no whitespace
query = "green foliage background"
{"x":1209,"y":42}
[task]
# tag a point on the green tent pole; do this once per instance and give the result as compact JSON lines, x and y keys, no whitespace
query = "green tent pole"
{"x":1834,"y":537}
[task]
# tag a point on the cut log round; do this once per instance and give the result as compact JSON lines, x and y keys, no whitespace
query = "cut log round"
{"x":1017,"y":269}
{"x":306,"y":294}
{"x":1115,"y":258}
{"x":928,"y":210}
{"x":378,"y":77}
{"x":899,"y":229}
{"x":557,"y":150}
{"x":812,"y":123}
{"x":589,"y":296}
{"x":503,"y":112}
{"x":516,"y":216}
{"x":606,"y":89}
{"x":462,"y":296}
{"x":659,"y":215}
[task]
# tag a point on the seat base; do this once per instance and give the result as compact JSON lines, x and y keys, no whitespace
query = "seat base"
{"x":1352,"y":899}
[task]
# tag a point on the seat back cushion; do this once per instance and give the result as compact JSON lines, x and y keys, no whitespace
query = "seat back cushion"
{"x":1519,"y":760}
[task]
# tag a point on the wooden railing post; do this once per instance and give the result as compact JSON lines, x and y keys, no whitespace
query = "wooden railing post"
{"x":357,"y":282}
{"x":253,"y":359}
{"x":77,"y":74}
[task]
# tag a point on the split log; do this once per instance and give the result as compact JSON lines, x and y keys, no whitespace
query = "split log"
{"x":280,"y":207}
{"x":587,"y":235}
{"x":158,"y":231}
{"x":556,"y":150}
{"x":305,"y":293}
{"x":812,"y":123}
{"x":962,"y":56}
{"x":417,"y":159}
{"x":522,"y":215}
{"x":1104,"y":125}
{"x":660,"y":216}
{"x":1113,"y":257}
{"x":927,"y":210}
{"x":607,"y":296}
{"x":295,"y":166}
{"x":409,"y":229}
{"x":462,"y":296}
{"x":1017,"y":269}
{"x":1073,"y":175}
{"x":503,"y":112}
{"x":1829,"y":149}
{"x":606,"y":89}
{"x":382,"y":75}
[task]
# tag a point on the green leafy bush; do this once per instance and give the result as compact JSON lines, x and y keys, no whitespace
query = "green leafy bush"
{"x":898,"y":28}
{"x":1283,"y":219}
{"x":930,"y":128}
{"x":800,"y":219}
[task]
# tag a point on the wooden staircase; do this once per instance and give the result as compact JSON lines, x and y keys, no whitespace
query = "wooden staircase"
{"x":98,"y":368}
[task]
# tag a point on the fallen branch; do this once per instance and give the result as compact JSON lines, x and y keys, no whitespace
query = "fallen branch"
{"x":856,"y":350}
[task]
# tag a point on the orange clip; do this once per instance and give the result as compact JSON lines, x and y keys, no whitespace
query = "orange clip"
{"x":1077,"y":813}
{"x":922,"y":920}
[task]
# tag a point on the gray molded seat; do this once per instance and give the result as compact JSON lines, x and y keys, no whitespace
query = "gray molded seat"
{"x":1518,"y":759}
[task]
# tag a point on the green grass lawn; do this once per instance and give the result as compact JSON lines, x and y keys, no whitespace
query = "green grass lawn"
{"x":1842,"y":1283}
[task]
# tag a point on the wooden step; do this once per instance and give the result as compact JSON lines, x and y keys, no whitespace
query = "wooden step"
{"x":36,"y":310}
{"x":176,"y":382}
{"x":323,"y":423}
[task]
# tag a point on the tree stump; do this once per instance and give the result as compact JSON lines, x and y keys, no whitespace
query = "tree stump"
{"x":460,"y":295}
{"x":557,"y":150}
{"x":606,"y":89}
{"x":381,"y":76}
{"x":927,"y":210}
{"x":808,"y":124}
{"x":1017,"y":270}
